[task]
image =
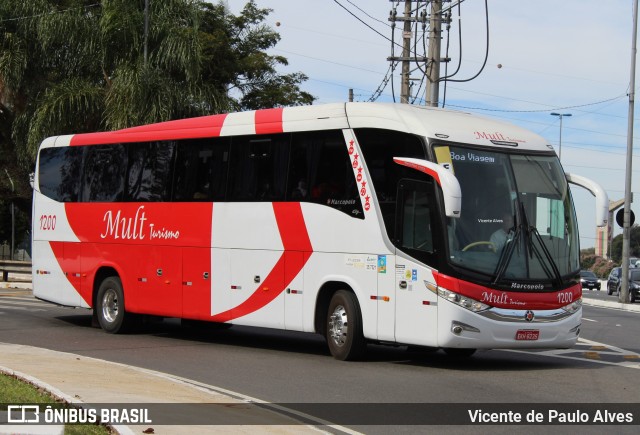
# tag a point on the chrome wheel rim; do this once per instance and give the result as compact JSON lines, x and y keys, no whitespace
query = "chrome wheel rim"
{"x":338,"y":325}
{"x":110,"y":305}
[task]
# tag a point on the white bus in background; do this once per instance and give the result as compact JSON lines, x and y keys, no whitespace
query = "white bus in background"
{"x":363,"y":222}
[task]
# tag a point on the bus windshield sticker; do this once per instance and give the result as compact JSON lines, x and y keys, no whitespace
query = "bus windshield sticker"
{"x":443,"y":156}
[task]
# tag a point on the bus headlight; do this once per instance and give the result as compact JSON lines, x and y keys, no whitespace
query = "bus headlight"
{"x":464,"y":301}
{"x":573,"y":306}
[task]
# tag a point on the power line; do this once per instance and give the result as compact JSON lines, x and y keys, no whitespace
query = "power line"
{"x":486,"y":54}
{"x":539,"y":110}
{"x":26,"y":17}
{"x":364,"y":12}
{"x":358,"y":18}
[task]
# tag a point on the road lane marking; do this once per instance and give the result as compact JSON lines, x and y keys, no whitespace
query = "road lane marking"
{"x":593,"y":352}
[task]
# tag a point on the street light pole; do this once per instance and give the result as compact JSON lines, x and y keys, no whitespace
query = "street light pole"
{"x":626,"y":227}
{"x":560,"y":115}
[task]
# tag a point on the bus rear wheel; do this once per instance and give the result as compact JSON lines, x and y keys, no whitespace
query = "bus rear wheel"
{"x":110,"y":307}
{"x":344,"y":327}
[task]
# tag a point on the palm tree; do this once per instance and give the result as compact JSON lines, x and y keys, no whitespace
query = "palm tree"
{"x":70,"y":66}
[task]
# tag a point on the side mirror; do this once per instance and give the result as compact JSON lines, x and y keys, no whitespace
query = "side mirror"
{"x":602,"y":199}
{"x":446,"y":180}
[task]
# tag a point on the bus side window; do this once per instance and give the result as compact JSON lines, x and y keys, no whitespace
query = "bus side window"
{"x":259,"y":167}
{"x":379,"y":147}
{"x":104,"y":173}
{"x":149,"y":171}
{"x":201,"y":169}
{"x":321,"y":172}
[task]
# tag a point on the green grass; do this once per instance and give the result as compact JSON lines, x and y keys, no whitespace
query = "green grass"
{"x":14,"y":390}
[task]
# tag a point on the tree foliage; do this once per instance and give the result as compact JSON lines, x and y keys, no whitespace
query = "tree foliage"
{"x":70,"y":66}
{"x":634,"y":244}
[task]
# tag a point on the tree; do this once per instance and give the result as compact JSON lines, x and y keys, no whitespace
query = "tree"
{"x":79,"y":65}
{"x":236,"y":60}
{"x":634,"y":244}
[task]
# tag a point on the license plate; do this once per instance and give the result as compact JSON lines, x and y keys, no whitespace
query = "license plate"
{"x":527,"y":334}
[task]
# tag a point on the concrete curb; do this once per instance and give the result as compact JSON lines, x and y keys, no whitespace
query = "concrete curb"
{"x":635,"y":307}
{"x":80,"y":380}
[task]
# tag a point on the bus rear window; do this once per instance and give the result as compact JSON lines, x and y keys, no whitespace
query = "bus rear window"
{"x":59,"y":173}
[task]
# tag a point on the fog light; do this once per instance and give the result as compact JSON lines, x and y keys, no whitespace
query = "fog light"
{"x":458,"y":327}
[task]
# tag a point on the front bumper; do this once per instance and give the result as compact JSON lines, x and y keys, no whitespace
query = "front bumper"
{"x":497,"y":328}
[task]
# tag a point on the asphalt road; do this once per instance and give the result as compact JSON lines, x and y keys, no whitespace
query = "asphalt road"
{"x":289,"y":367}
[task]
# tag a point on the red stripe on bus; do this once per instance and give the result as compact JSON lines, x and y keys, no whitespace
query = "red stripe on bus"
{"x":295,"y":237}
{"x":269,"y":121}
{"x":291,"y":225}
{"x":193,"y":128}
{"x":525,"y":300}
{"x":420,"y":168}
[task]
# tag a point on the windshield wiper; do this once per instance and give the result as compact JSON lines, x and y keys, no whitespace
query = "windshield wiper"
{"x":547,"y":254}
{"x":507,"y":253}
{"x":532,"y":230}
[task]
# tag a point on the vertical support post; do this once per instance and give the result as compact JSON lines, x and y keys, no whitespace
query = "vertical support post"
{"x":433,"y":79}
{"x":626,"y":231}
{"x":406,"y":52}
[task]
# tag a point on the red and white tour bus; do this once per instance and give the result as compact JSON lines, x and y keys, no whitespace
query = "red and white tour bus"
{"x":363,"y":222}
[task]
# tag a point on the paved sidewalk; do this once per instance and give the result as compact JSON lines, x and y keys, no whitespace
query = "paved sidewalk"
{"x":78,"y":379}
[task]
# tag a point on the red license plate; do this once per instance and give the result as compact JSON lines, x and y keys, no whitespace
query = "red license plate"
{"x":527,"y":334}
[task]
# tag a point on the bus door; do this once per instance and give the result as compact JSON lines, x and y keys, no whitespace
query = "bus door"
{"x":386,"y":297}
{"x":416,"y":307}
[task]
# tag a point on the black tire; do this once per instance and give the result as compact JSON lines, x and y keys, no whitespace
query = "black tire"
{"x":609,"y":292}
{"x":344,"y":327}
{"x":458,"y":353}
{"x":109,"y":308}
{"x":618,"y":291}
{"x":631,"y":298}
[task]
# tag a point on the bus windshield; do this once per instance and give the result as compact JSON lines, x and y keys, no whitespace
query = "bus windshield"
{"x":517,"y":226}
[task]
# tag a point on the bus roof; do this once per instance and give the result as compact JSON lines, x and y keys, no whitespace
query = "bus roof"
{"x":453,"y":126}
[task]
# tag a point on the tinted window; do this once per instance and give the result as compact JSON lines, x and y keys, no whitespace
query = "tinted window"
{"x":416,"y":223}
{"x":201,"y":170}
{"x":149,"y":171}
{"x":259,"y":168}
{"x":59,"y":173}
{"x":379,"y":147}
{"x":104,"y":173}
{"x":321,"y":172}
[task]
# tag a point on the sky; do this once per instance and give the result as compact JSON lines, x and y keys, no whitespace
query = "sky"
{"x":570,"y":57}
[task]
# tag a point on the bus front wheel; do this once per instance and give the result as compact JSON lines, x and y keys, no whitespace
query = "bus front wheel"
{"x":344,"y":327}
{"x":110,"y":306}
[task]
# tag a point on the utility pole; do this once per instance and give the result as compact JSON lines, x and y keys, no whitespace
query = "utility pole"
{"x":433,"y":70}
{"x":407,"y":57}
{"x":626,"y":230}
{"x":405,"y":88}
